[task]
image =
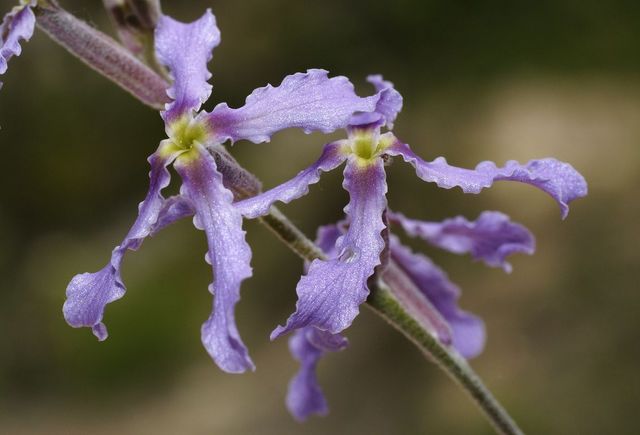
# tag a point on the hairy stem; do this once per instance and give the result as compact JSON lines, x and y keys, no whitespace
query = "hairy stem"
{"x":102,"y":53}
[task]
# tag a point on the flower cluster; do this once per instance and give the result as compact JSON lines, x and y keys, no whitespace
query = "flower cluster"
{"x":357,"y":248}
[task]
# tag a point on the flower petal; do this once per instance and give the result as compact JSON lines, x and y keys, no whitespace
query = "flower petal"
{"x":331,"y":292}
{"x":490,"y":238}
{"x":389,"y":102}
{"x":558,"y":179}
{"x":185,"y":49}
{"x":228,"y":253}
{"x":89,"y":293}
{"x":311,"y":101}
{"x":173,"y":209}
{"x":298,"y":186}
{"x":307,"y":346}
{"x":468,"y":330}
{"x":17,"y":25}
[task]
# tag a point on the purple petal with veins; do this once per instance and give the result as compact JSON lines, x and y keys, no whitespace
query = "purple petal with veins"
{"x":330,"y":294}
{"x":185,"y":49}
{"x":308,"y":345}
{"x":490,"y":238}
{"x":311,"y":101}
{"x":89,"y":293}
{"x":16,"y":25}
{"x":295,"y":188}
{"x":468,"y":330}
{"x":228,"y":253}
{"x":560,"y":180}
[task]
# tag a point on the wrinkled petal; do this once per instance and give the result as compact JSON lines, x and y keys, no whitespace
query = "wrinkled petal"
{"x":89,"y":293}
{"x":228,"y":253}
{"x":560,"y":180}
{"x":330,"y":294}
{"x":17,"y":25}
{"x":185,"y":49}
{"x":468,"y":330}
{"x":490,"y":238}
{"x":173,"y":209}
{"x":311,"y":101}
{"x":259,"y":205}
{"x":389,"y":102}
{"x":307,"y":346}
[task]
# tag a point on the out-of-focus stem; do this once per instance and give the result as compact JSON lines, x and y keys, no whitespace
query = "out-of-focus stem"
{"x":102,"y":53}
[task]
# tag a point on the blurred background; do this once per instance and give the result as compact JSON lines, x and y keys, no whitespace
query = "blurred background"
{"x":481,"y":80}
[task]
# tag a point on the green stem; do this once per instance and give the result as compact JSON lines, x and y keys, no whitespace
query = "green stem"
{"x":382,"y":302}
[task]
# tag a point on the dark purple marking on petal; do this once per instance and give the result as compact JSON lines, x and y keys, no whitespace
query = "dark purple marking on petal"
{"x":89,"y":293}
{"x":228,"y":253}
{"x":311,"y":101}
{"x":330,"y":294}
{"x":490,"y":238}
{"x":298,"y":186}
{"x":558,"y":179}
{"x":468,"y":330}
{"x":307,"y":346}
{"x":185,"y":49}
{"x":16,"y":25}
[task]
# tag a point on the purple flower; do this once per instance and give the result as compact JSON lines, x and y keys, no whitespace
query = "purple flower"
{"x":330,"y":294}
{"x":422,"y":287}
{"x":17,"y":25}
{"x":311,"y":101}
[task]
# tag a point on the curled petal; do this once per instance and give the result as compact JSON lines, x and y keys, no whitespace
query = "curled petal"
{"x":17,"y":25}
{"x":330,"y":294}
{"x":468,"y":330}
{"x":307,"y":346}
{"x":490,"y":238}
{"x":389,"y":102}
{"x":311,"y":101}
{"x":295,"y":188}
{"x":328,"y":235}
{"x":228,"y":253}
{"x":185,"y":49}
{"x":89,"y":293}
{"x":173,"y":209}
{"x":558,"y":179}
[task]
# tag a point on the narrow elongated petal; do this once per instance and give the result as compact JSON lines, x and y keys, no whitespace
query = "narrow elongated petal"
{"x":307,"y":346}
{"x":228,"y":253}
{"x":311,"y":101}
{"x":330,"y":294}
{"x":490,"y":238}
{"x":298,"y":186}
{"x":185,"y":49}
{"x":560,"y":180}
{"x":468,"y":330}
{"x":89,"y":293}
{"x":17,"y":25}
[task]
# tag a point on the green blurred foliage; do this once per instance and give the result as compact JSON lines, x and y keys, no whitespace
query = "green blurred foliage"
{"x":481,"y":80}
